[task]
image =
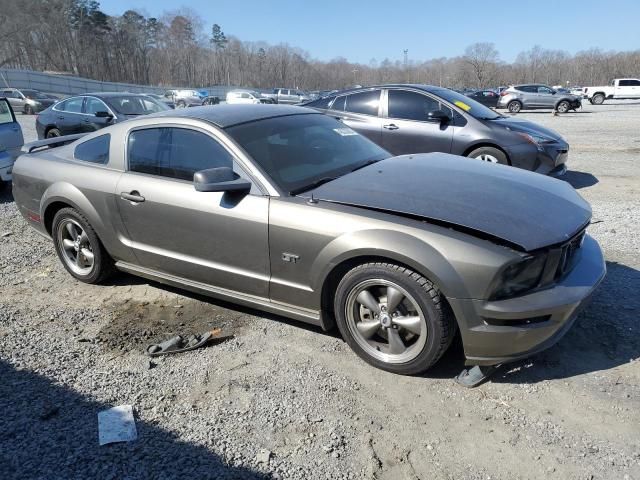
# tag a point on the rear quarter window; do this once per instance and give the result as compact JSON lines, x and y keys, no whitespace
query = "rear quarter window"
{"x":95,"y":150}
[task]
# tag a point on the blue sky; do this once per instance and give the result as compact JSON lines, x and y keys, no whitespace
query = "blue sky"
{"x":360,"y":31}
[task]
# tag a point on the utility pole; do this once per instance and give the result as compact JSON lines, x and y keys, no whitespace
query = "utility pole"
{"x":406,"y":65}
{"x":355,"y":70}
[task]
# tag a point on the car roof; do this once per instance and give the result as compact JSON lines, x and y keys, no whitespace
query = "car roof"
{"x":109,"y":94}
{"x":417,"y":86}
{"x":228,"y":115}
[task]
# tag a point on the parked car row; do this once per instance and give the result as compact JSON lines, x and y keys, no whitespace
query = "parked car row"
{"x":292,"y":211}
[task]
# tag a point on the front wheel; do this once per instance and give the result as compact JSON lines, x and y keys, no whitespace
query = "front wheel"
{"x":489,"y":154}
{"x":563,"y":107}
{"x":598,"y":99}
{"x":28,"y":110}
{"x":393,"y":318}
{"x":79,"y":248}
{"x":181,"y":104}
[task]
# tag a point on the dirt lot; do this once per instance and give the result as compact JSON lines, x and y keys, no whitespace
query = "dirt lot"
{"x":283,"y":400}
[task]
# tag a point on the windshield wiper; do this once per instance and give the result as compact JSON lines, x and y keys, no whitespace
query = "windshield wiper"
{"x":315,"y":184}
{"x":366,"y":164}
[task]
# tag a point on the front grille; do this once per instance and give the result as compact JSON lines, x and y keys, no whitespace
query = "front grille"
{"x":568,"y":253}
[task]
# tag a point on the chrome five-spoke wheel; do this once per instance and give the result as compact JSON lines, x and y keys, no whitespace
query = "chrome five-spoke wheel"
{"x":386,"y":321}
{"x":77,"y":251}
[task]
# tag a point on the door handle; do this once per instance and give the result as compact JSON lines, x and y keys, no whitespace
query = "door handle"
{"x":60,"y":117}
{"x":133,"y":196}
{"x":391,"y":126}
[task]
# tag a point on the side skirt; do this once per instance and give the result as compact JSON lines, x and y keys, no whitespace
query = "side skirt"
{"x":260,"y":303}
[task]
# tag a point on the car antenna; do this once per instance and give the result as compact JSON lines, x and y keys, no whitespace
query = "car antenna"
{"x":312,"y":199}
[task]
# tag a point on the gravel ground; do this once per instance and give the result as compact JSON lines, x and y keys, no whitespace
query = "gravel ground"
{"x":283,"y":400}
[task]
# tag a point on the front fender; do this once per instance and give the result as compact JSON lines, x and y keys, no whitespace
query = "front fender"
{"x":392,"y":245}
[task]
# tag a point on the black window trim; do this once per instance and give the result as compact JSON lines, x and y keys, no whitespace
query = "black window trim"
{"x":81,"y":112}
{"x":412,"y":90}
{"x":236,"y":159}
{"x":84,"y":105}
{"x":347,"y":94}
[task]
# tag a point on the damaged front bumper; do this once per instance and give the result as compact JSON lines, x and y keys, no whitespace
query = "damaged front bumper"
{"x":496,"y":332}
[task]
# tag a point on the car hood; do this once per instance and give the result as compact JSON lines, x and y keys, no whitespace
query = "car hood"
{"x":525,"y":209}
{"x":525,"y":126}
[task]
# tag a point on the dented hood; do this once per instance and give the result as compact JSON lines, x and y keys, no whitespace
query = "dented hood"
{"x":523,"y":208}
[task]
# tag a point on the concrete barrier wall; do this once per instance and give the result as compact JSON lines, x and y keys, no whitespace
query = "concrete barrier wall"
{"x":69,"y":85}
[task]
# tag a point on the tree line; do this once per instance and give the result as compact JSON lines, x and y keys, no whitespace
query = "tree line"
{"x":177,"y":49}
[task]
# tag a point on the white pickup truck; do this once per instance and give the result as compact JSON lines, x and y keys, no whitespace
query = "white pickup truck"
{"x":620,"y":88}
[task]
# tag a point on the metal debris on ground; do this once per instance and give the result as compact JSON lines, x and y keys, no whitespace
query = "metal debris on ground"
{"x":179,"y":344}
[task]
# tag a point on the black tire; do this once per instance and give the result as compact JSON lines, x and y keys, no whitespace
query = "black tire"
{"x":440,"y":324}
{"x":489,"y":152}
{"x":103,"y":266}
{"x":597,"y":99}
{"x":52,"y":133}
{"x":28,"y":110}
{"x":514,"y":106}
{"x":563,"y":107}
{"x":181,"y":104}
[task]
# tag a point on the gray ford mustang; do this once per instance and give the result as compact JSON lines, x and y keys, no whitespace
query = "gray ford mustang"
{"x":291,"y":211}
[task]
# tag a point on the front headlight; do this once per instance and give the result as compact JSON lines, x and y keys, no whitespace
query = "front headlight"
{"x":536,"y":140}
{"x":520,"y":276}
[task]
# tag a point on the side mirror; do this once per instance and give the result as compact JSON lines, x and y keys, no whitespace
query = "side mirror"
{"x":103,"y":114}
{"x":438,"y":116}
{"x":221,"y":179}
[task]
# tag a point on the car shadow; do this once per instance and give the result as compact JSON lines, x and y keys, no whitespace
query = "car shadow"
{"x":579,"y":179}
{"x":49,"y":430}
{"x":6,"y":195}
{"x":550,"y":112}
{"x":605,"y":336}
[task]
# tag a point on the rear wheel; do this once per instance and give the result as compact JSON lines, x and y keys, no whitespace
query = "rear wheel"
{"x":598,"y":99}
{"x":181,"y":104}
{"x":393,"y":318}
{"x":514,"y":106}
{"x":52,"y":133}
{"x":489,"y":154}
{"x":28,"y":110}
{"x":563,"y":107}
{"x":79,"y":248}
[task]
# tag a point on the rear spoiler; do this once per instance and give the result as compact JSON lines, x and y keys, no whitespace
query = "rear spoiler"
{"x":50,"y":142}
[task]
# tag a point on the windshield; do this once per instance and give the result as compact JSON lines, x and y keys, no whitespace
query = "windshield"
{"x":33,"y":94}
{"x":300,"y":151}
{"x":469,"y":105}
{"x":136,"y":105}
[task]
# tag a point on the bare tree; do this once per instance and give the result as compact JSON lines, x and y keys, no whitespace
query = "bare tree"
{"x":483,"y":59}
{"x":77,"y":37}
